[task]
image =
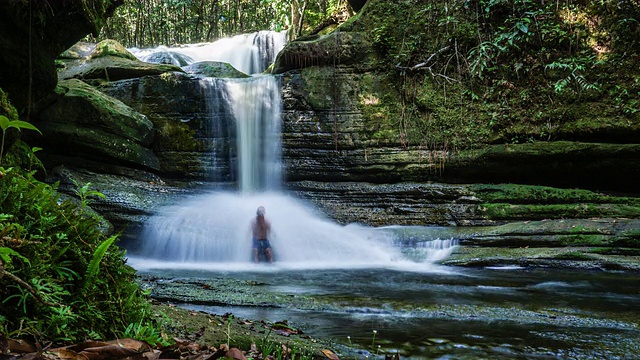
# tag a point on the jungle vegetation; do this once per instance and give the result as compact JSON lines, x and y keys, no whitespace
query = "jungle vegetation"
{"x":62,"y":278}
{"x":524,"y":70}
{"x":147,"y":23}
{"x":463,"y":74}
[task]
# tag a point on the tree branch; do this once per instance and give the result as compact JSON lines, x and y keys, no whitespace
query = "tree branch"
{"x":423,"y":65}
{"x":426,"y":62}
{"x":24,"y":285}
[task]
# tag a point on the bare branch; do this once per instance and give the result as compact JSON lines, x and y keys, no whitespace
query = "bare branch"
{"x":24,"y":285}
{"x":426,"y":62}
{"x":423,"y":66}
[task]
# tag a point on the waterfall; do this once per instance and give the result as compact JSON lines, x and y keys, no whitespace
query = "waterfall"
{"x":257,"y":108}
{"x":217,"y":129}
{"x":249,"y":53}
{"x":245,"y":127}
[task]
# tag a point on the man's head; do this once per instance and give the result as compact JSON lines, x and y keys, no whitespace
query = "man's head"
{"x":260,"y":211}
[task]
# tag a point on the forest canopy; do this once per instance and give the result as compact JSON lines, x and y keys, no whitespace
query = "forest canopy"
{"x":145,"y":23}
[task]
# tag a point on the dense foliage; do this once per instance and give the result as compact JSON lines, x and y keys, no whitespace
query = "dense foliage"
{"x":60,"y":277}
{"x":473,"y":72}
{"x":82,"y":287}
{"x":145,"y":23}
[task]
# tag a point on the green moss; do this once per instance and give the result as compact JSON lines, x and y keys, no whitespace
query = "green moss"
{"x":539,"y":212}
{"x":574,"y":255}
{"x":522,"y":194}
{"x":111,"y":47}
{"x":6,"y":108}
{"x":215,"y":69}
{"x":513,"y":201}
{"x":630,"y":238}
{"x":174,"y":136}
{"x":481,"y":89}
{"x":585,"y":240}
{"x":91,"y":107}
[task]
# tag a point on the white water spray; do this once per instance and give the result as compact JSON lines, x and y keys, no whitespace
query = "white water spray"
{"x":214,"y":228}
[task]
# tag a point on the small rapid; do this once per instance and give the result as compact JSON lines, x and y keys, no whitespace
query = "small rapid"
{"x":250,"y":53}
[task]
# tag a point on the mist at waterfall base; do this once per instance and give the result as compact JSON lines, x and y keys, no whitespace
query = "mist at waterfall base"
{"x":212,"y":230}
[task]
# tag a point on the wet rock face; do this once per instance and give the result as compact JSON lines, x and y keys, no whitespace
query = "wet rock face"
{"x":178,"y":106}
{"x":338,"y":48}
{"x":330,"y":134}
{"x":215,"y":69}
{"x":106,"y":61}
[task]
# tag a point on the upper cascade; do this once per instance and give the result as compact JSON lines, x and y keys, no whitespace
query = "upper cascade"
{"x":250,"y":53}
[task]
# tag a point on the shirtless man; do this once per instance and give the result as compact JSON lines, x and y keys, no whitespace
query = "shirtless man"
{"x":261,"y":230}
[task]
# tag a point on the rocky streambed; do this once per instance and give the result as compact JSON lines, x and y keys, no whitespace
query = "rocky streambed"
{"x":422,"y":312}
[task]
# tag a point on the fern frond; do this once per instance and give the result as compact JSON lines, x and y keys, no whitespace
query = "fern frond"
{"x":92,"y":269}
{"x":6,"y":252}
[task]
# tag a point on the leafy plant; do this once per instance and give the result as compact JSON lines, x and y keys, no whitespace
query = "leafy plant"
{"x":574,"y":81}
{"x":92,"y":269}
{"x":86,"y":194}
{"x":6,"y":123}
{"x":148,"y":332}
{"x":6,"y":253}
{"x":64,"y":258}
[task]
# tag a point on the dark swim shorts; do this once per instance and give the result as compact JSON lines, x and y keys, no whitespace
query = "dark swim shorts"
{"x":261,"y":245}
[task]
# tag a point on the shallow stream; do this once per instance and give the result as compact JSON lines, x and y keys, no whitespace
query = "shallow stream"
{"x":427,"y":312}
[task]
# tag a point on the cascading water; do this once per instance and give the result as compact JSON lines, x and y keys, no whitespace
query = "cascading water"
{"x":212,"y":229}
{"x":249,"y":53}
{"x":257,"y":106}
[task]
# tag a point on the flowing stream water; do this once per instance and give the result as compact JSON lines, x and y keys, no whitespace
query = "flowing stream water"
{"x":344,"y":282}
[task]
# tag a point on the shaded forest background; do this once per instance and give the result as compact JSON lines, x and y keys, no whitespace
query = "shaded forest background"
{"x":145,"y":23}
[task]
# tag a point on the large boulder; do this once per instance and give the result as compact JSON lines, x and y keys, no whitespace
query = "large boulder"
{"x":85,"y":123}
{"x":215,"y":69}
{"x":351,"y":49}
{"x":34,"y":33}
{"x":106,"y":61}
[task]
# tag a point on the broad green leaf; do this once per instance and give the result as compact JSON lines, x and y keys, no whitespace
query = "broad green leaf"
{"x":5,"y":254}
{"x":4,"y":122}
{"x":19,"y":124}
{"x":523,"y":27}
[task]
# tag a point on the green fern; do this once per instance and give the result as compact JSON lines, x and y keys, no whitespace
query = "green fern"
{"x":92,"y":269}
{"x":6,"y":253}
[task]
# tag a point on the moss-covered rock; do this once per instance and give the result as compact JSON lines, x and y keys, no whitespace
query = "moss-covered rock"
{"x":459,"y":205}
{"x":110,"y":47}
{"x":82,"y":105}
{"x":215,"y":69}
{"x":84,"y":122}
{"x":412,"y":109}
{"x":111,"y":68}
{"x":338,"y":48}
{"x":182,"y":114}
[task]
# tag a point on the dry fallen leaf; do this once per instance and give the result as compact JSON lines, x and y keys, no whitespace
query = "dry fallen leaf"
{"x":330,"y":354}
